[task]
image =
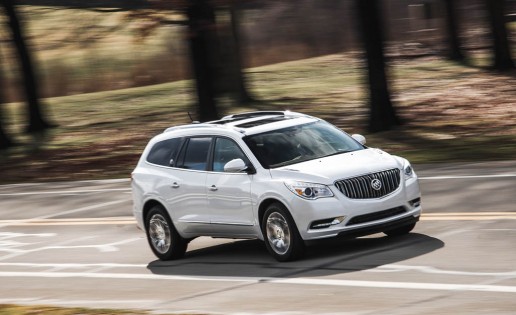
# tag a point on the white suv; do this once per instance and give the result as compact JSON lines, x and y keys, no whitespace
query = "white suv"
{"x":282,"y":177}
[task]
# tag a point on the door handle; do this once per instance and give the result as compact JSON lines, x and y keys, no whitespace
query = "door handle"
{"x":213,"y":188}
{"x":174,"y":185}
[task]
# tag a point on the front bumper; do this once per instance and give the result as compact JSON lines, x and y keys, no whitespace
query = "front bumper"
{"x":361,"y":217}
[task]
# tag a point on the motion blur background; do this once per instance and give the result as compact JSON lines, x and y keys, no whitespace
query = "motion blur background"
{"x":96,"y":46}
{"x":84,"y":85}
{"x":145,"y":64}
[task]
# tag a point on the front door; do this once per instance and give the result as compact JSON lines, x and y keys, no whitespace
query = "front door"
{"x":229,"y":194}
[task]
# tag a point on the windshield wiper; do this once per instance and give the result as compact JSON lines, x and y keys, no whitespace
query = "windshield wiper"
{"x":339,"y":152}
{"x":291,"y":161}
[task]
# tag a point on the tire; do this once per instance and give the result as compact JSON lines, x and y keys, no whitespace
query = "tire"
{"x":162,"y":236}
{"x":280,"y":233}
{"x":402,"y":230}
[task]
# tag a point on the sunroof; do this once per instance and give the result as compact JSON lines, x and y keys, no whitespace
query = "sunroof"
{"x":227,"y":121}
{"x":258,"y":114}
{"x":262,"y":122}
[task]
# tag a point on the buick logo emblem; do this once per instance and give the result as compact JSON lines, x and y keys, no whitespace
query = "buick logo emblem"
{"x":376,"y":184}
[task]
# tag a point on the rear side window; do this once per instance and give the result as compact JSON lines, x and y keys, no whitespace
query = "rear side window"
{"x":196,"y":154}
{"x":164,"y":152}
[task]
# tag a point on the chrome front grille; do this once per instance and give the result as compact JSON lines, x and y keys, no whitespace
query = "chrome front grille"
{"x":374,"y":185}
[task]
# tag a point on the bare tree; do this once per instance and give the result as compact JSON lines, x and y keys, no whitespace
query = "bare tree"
{"x":501,"y":46}
{"x":452,"y":31}
{"x":37,"y":122}
{"x":214,"y":73}
{"x":5,"y":141}
{"x":202,"y":42}
{"x":242,"y":91}
{"x":382,"y":115}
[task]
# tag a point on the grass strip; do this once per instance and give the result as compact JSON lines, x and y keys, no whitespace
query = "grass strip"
{"x":451,"y":112}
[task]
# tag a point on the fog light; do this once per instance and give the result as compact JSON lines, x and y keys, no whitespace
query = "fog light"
{"x":321,"y":224}
{"x":415,"y":202}
{"x":337,"y":220}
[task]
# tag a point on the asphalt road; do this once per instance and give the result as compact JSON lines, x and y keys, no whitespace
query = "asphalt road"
{"x":76,"y":244}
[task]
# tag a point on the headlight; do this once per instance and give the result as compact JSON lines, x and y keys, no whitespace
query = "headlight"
{"x":407,"y":170}
{"x":309,"y":190}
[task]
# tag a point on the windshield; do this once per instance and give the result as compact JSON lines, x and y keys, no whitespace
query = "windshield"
{"x":300,"y":143}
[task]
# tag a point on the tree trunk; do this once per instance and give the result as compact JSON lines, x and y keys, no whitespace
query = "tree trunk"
{"x":37,"y":121}
{"x":5,"y":141}
{"x":201,"y":26}
{"x":501,"y":46}
{"x":454,"y":42}
{"x":243,"y":94}
{"x":382,"y":115}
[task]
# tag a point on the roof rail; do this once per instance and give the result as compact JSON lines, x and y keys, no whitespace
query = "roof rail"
{"x":255,"y":114}
{"x":192,"y":126}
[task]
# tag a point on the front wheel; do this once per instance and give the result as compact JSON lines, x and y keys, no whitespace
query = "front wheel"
{"x":402,"y":230}
{"x":281,"y":236}
{"x":162,"y":236}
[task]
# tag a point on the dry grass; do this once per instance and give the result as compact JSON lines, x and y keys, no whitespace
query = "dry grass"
{"x":451,"y":112}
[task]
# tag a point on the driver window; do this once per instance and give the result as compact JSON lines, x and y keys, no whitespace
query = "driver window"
{"x":225,"y":151}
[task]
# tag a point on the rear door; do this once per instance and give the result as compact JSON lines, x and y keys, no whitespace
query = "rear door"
{"x":187,"y":199}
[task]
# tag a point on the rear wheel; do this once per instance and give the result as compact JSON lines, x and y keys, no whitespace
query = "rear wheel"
{"x":402,"y":230}
{"x":281,"y":236}
{"x":162,"y":236}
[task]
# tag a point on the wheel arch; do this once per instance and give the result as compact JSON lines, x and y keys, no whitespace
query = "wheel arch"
{"x":264,"y":205}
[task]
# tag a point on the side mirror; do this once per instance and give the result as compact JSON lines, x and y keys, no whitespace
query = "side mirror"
{"x":361,"y":139}
{"x":235,"y":166}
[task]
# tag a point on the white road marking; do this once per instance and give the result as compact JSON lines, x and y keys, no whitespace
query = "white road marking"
{"x":109,"y":247}
{"x":9,"y":235}
{"x":64,"y":192}
{"x":19,"y":252}
{"x":468,"y":216}
{"x":52,"y":215}
{"x":122,"y":220}
{"x":474,"y":214}
{"x":434,"y":270}
{"x":390,"y":268}
{"x":73,"y":265}
{"x":43,"y":217}
{"x":92,"y":181}
{"x":269,"y":280}
{"x":99,"y":205}
{"x":8,"y":244}
{"x":399,"y":285}
{"x":466,"y":176}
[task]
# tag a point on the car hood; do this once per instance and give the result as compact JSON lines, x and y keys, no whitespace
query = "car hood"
{"x":329,"y":169}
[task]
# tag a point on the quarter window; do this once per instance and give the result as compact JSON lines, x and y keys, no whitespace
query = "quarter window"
{"x":164,"y":152}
